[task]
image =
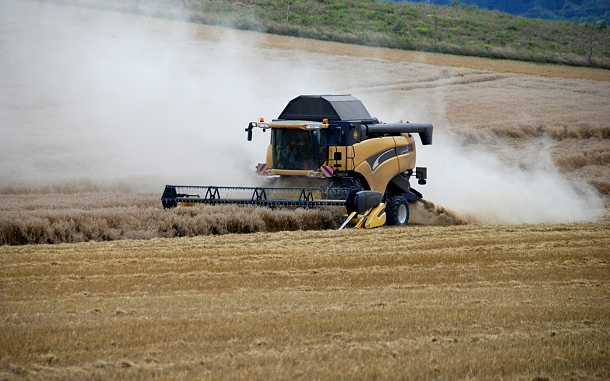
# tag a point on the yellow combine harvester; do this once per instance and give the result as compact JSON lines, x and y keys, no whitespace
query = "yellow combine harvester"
{"x":328,"y":150}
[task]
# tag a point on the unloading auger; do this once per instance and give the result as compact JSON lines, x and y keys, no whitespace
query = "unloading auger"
{"x":327,"y":150}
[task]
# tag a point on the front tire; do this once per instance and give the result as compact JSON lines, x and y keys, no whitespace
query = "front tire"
{"x":397,"y":211}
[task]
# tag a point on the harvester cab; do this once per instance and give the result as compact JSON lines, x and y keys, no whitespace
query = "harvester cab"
{"x":328,"y":150}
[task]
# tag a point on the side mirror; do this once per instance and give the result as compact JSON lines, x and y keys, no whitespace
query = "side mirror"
{"x":421,"y":173}
{"x":251,"y":125}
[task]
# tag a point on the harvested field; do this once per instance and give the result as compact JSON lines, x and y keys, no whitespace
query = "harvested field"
{"x":504,"y":273}
{"x":519,"y":302}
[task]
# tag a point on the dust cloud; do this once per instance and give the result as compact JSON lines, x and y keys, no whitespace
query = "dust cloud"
{"x":87,"y":93}
{"x":505,"y":184}
{"x":117,"y":97}
{"x":475,"y":175}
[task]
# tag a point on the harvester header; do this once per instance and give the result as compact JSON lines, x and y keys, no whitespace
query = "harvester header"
{"x":328,"y":150}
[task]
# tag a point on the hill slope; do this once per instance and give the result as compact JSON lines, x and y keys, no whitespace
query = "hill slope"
{"x":458,"y":29}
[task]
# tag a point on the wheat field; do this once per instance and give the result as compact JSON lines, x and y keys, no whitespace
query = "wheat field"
{"x":81,"y":211}
{"x":519,"y":302}
{"x":503,"y":272}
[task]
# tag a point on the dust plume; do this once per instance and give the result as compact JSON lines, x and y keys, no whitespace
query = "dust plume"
{"x":426,"y":212}
{"x":477,"y":174}
{"x":118,"y":97}
{"x":500,"y":182}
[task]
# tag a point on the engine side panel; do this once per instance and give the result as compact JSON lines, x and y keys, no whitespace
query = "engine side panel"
{"x":378,"y":160}
{"x":405,"y":151}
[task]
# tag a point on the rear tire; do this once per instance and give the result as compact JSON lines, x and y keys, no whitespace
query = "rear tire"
{"x":397,"y":211}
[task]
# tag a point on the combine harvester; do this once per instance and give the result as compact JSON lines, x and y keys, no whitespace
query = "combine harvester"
{"x":327,"y":150}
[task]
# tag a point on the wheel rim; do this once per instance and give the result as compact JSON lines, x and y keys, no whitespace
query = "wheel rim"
{"x":402,"y":214}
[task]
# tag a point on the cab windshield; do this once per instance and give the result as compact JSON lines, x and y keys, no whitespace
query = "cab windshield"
{"x":298,"y":149}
